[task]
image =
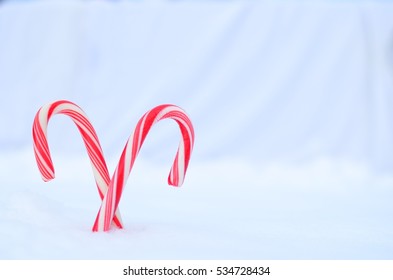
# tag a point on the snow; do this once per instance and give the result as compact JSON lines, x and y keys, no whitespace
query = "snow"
{"x":226,"y":210}
{"x":291,"y":104}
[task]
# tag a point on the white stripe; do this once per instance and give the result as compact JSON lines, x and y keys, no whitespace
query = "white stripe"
{"x":128,"y":157}
{"x":99,"y":179}
{"x":140,"y":132}
{"x":180,"y":162}
{"x":43,"y":117}
{"x":166,"y":110}
{"x":101,"y":216}
{"x":115,"y":179}
{"x":68,"y":106}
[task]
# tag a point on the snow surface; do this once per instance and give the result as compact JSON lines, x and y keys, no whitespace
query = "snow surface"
{"x":292,"y":109}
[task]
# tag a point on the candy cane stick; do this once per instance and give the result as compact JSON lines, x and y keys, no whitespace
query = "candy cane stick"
{"x":131,"y":150}
{"x":41,"y":147}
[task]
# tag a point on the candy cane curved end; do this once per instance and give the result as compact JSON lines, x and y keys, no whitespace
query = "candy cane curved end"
{"x":131,"y":150}
{"x":40,"y":142}
{"x":89,"y":136}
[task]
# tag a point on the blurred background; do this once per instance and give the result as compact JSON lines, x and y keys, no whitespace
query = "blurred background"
{"x":292,"y":102}
{"x":262,"y":80}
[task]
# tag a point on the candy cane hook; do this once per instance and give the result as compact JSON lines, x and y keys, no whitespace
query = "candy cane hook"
{"x":94,"y":150}
{"x":176,"y":176}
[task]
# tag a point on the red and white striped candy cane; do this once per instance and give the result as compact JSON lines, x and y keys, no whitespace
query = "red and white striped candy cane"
{"x":41,"y":147}
{"x":131,"y":150}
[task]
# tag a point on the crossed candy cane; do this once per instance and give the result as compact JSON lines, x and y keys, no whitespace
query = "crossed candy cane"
{"x":131,"y":150}
{"x":110,"y":190}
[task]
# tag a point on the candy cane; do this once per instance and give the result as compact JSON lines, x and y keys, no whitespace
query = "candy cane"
{"x":131,"y":150}
{"x":41,"y":147}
